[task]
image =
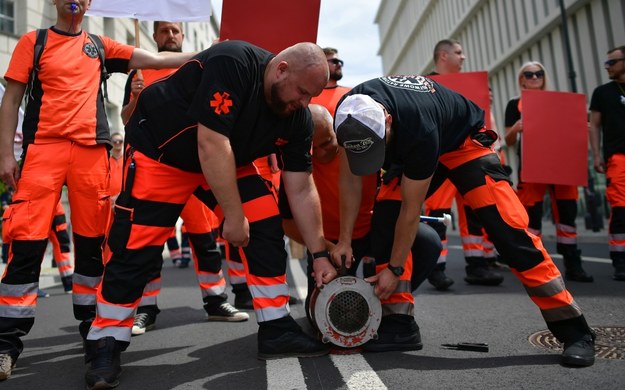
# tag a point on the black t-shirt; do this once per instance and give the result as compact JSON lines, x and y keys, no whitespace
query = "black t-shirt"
{"x":221,"y":88}
{"x":609,"y":100}
{"x":428,"y":120}
{"x":512,"y":115}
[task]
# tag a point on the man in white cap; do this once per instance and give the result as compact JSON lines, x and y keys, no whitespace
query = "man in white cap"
{"x":421,"y":133}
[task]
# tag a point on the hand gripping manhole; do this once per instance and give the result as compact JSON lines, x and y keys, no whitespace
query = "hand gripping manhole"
{"x":610,"y":342}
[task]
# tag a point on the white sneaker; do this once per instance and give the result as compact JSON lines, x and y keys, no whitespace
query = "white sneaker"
{"x":6,"y":366}
{"x":225,"y":312}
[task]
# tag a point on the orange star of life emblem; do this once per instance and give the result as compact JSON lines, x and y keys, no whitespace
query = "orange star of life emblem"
{"x":221,"y":102}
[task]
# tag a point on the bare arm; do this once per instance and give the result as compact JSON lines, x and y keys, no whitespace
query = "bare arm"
{"x":143,"y":59}
{"x":304,"y":201}
{"x":217,"y":161}
{"x":350,"y":197}
{"x":136,"y":86}
{"x":512,"y":132}
{"x":9,"y":110}
{"x":594,"y":138}
{"x":413,"y":194}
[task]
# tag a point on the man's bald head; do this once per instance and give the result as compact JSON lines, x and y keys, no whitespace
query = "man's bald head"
{"x":294,"y":76}
{"x":325,"y":146}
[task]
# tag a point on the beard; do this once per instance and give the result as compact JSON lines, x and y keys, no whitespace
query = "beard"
{"x":277,"y":105}
{"x":336,"y":76}
{"x":172,"y":47}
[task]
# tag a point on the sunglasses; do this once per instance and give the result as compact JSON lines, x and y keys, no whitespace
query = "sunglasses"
{"x":613,"y":62}
{"x":336,"y":61}
{"x":529,"y":75}
{"x":118,"y":141}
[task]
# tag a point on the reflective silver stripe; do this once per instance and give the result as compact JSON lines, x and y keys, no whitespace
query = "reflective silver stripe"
{"x":272,"y":313}
{"x":617,"y":248}
{"x":403,"y":286}
{"x":548,"y":289}
{"x":562,"y":313}
{"x":473,"y":253}
{"x":14,"y":311}
{"x":566,"y":228}
{"x":211,"y":278}
{"x":566,"y":240}
{"x":64,"y":263}
{"x":88,"y":281}
{"x":148,"y":300}
{"x":213,"y":291}
{"x":269,"y":291}
{"x":534,"y":231}
{"x":617,"y":237}
{"x":114,"y":312}
{"x":67,"y":273}
{"x":235,"y":265}
{"x":397,"y":308}
{"x":154,"y":285}
{"x":472,"y":240}
{"x":84,"y":299}
{"x":120,"y":333}
{"x":238,"y":279}
{"x":18,"y":290}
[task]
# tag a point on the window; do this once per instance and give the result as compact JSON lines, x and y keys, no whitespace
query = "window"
{"x":7,"y":16}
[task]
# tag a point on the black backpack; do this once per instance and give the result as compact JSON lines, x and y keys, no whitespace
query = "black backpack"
{"x":40,"y":43}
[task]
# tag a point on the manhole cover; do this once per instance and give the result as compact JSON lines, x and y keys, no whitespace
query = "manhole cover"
{"x":610,"y":342}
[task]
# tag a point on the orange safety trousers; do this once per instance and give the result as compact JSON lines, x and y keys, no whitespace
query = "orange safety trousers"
{"x":615,"y":193}
{"x":143,"y":223}
{"x":59,"y":238}
{"x":563,"y":206}
{"x":475,"y":170}
{"x":46,"y":168}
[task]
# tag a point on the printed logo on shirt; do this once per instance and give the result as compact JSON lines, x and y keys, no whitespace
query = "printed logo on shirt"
{"x":221,"y":102}
{"x":413,"y":82}
{"x":90,"y":50}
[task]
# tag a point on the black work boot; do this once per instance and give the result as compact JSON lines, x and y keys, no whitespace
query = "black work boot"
{"x":242,"y":297}
{"x":479,"y":273}
{"x":619,"y":269}
{"x":438,"y":279}
{"x":573,"y":266}
{"x":581,"y":352}
{"x":284,"y":338}
{"x":105,"y":365}
{"x":397,"y":332}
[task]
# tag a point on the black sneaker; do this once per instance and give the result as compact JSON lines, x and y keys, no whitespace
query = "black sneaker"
{"x":142,"y":323}
{"x":291,"y":343}
{"x":68,"y":285}
{"x":42,"y":294}
{"x":225,"y":312}
{"x":182,"y":262}
{"x":481,"y":275}
{"x":580,"y":353}
{"x":409,"y":340}
{"x":439,"y":280}
{"x":105,"y":368}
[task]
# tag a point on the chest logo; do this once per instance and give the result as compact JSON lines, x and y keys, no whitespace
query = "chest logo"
{"x":90,"y":50}
{"x":221,"y":102}
{"x":413,"y":82}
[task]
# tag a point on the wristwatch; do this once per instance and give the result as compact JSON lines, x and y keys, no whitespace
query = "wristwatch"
{"x":397,"y":271}
{"x":321,"y":254}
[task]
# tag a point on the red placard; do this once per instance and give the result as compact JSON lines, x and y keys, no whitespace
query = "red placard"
{"x":271,"y":24}
{"x":554,"y":149}
{"x":471,"y":85}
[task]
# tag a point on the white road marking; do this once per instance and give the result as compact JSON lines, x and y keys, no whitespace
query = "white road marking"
{"x":357,"y":373}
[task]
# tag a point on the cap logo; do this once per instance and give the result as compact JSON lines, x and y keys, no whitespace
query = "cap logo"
{"x":358,"y":146}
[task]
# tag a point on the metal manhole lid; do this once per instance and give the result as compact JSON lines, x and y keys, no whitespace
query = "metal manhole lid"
{"x":610,"y":342}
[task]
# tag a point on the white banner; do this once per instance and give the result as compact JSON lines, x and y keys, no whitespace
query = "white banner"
{"x":165,"y":10}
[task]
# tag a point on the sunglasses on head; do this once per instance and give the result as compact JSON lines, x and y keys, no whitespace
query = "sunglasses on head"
{"x":613,"y":62}
{"x":539,"y":74}
{"x":336,"y":61}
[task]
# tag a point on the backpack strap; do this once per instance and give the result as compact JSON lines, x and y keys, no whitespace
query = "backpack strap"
{"x":40,"y":44}
{"x":104,"y":75}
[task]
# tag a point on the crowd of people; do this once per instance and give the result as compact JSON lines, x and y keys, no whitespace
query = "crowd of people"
{"x":358,"y":166}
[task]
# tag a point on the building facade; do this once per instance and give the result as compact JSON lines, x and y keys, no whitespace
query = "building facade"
{"x":17,"y":17}
{"x":500,"y":35}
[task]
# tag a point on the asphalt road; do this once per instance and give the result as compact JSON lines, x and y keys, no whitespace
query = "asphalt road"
{"x":186,"y":352}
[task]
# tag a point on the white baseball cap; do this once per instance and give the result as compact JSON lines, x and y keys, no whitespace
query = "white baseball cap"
{"x":360,"y":129}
